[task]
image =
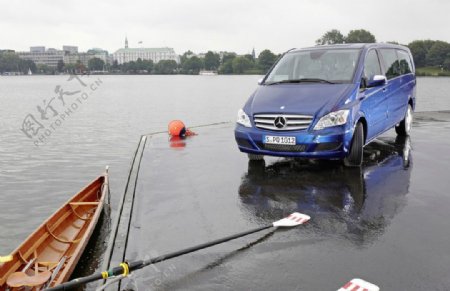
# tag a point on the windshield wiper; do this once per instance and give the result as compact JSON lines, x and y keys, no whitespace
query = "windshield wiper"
{"x":302,"y":80}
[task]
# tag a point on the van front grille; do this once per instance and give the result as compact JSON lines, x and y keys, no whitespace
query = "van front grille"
{"x":282,"y":122}
{"x":282,"y":147}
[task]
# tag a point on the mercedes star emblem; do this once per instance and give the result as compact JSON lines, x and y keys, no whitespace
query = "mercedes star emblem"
{"x":280,"y":122}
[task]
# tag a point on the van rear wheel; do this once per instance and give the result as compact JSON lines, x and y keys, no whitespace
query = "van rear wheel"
{"x":404,"y":128}
{"x":355,"y":156}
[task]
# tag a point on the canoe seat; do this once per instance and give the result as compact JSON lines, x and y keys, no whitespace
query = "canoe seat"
{"x":61,"y":239}
{"x":74,"y":205}
{"x":20,"y":279}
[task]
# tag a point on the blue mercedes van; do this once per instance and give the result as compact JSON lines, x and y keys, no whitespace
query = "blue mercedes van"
{"x":327,"y":102}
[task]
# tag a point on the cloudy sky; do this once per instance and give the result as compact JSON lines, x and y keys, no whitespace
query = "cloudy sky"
{"x":201,"y":25}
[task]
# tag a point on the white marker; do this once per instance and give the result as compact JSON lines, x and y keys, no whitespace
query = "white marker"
{"x":359,"y":285}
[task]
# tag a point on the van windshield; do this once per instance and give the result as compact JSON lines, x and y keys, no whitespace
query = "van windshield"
{"x":319,"y":65}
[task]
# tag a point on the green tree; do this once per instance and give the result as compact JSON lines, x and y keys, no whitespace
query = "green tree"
{"x":241,"y":64}
{"x":70,"y":68}
{"x":265,"y":60}
{"x":115,"y":65}
{"x":192,"y":65}
{"x":25,"y":65}
{"x":419,"y":50}
{"x":185,"y":56}
{"x":360,"y":36}
{"x":96,"y":64}
{"x":226,"y":56}
{"x":250,"y":58}
{"x":166,"y":67}
{"x":60,"y":66}
{"x":437,"y":54}
{"x":333,"y":36}
{"x":131,"y":67}
{"x":148,"y":65}
{"x":227,"y":67}
{"x":212,"y":61}
{"x":10,"y":62}
{"x":447,"y":63}
{"x":139,"y":65}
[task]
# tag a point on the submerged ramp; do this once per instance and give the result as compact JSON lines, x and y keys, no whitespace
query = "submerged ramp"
{"x":369,"y":223}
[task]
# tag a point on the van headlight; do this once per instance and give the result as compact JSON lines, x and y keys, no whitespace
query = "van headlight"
{"x":243,"y":118}
{"x":332,"y":119}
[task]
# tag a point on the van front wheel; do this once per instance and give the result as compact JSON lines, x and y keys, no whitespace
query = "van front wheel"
{"x":355,"y":156}
{"x":253,"y":157}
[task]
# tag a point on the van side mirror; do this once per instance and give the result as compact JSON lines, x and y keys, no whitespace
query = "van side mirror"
{"x":377,"y":80}
{"x":260,"y":81}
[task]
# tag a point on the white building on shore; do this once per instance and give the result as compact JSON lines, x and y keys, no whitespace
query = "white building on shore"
{"x":40,"y":56}
{"x":125,"y":55}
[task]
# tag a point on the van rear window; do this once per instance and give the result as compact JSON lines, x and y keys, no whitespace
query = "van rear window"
{"x":405,"y":62}
{"x":391,"y":63}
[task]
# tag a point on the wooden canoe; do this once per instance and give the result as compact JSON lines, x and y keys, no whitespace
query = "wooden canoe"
{"x":49,"y":255}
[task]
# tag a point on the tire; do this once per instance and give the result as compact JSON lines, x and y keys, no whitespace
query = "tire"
{"x":404,"y":128}
{"x":355,"y":156}
{"x":253,"y":157}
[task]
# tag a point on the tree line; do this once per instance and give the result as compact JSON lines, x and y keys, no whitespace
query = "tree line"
{"x":426,"y":53}
{"x":10,"y":62}
{"x":192,"y":64}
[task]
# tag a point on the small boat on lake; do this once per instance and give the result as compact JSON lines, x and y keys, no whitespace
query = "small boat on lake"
{"x":207,"y":73}
{"x":49,"y":255}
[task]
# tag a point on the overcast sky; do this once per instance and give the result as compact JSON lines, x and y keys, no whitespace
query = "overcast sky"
{"x":201,"y":25}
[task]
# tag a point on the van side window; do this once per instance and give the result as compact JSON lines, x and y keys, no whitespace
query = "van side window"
{"x":372,"y":65}
{"x":391,"y":64}
{"x":405,"y":62}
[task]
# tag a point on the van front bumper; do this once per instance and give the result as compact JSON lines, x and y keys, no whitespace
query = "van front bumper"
{"x":330,"y":143}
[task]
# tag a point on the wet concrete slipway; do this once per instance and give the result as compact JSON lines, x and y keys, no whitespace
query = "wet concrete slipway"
{"x":388,"y":223}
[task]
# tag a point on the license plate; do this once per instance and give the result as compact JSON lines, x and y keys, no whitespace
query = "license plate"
{"x":288,"y":140}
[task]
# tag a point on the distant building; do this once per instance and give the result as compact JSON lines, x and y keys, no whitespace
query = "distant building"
{"x":101,"y":54}
{"x":78,"y":57}
{"x":40,"y":56}
{"x":84,"y":58}
{"x":37,"y":49}
{"x":125,"y":55}
{"x":70,"y":49}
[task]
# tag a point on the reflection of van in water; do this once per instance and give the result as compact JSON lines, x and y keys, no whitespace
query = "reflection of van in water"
{"x":328,"y":102}
{"x":365,"y":199}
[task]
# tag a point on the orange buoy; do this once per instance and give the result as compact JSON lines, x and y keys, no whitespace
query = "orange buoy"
{"x":177,"y":128}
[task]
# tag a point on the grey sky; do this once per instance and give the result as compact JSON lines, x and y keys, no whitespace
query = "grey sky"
{"x":202,"y":25}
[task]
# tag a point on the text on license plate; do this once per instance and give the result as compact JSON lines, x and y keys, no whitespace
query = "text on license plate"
{"x":289,"y":140}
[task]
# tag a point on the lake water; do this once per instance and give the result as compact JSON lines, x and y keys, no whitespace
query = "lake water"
{"x":36,"y":177}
